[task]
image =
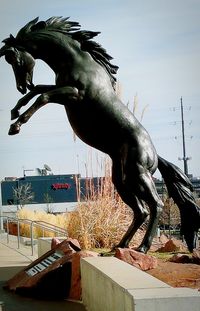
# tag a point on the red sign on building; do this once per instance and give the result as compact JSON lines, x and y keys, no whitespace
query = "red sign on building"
{"x":58,"y":186}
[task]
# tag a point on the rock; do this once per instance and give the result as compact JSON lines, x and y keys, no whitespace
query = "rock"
{"x":75,"y":290}
{"x":158,"y":242}
{"x":180,"y":258}
{"x":42,"y":272}
{"x":173,"y":245}
{"x":139,"y":260}
{"x":73,"y":244}
{"x":54,"y":242}
{"x":196,"y":256}
{"x":163,"y":239}
{"x":61,"y":278}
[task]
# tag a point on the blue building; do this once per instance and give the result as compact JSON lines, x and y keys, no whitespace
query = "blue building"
{"x":62,"y":188}
{"x":46,"y":189}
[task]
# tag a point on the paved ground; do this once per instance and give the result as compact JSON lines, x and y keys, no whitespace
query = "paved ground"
{"x":14,"y":302}
{"x":14,"y":254}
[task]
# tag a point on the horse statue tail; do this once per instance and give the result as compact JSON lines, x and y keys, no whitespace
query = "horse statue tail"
{"x":180,"y":190}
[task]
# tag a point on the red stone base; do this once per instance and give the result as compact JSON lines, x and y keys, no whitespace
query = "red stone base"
{"x":139,"y":260}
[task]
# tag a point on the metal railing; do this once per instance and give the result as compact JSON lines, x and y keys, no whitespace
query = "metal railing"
{"x":45,"y":226}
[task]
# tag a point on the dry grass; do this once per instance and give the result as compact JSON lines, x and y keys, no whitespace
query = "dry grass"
{"x":99,"y":224}
{"x":57,"y":220}
{"x":102,"y":220}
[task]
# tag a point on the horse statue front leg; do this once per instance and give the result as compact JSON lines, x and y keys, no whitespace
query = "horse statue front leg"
{"x":38,"y":89}
{"x":61,"y":96}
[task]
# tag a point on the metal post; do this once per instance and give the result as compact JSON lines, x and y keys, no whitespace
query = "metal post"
{"x":170,"y":219}
{"x":185,"y":159}
{"x":18,"y":233}
{"x":1,"y":220}
{"x":7,"y":225}
{"x":32,"y":238}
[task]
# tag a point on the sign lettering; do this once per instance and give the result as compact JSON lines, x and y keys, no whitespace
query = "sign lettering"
{"x":58,"y":186}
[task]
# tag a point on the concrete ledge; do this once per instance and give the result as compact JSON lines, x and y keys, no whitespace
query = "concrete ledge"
{"x":109,"y":284}
{"x":164,"y":299}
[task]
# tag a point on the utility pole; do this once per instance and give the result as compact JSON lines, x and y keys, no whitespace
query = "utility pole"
{"x":184,"y":158}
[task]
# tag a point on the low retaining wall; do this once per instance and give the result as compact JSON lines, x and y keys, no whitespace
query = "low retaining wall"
{"x":109,"y":284}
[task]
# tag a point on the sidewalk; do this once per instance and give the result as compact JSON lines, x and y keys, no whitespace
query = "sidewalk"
{"x":13,"y":254}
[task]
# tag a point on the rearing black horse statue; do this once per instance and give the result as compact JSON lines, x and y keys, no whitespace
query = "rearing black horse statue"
{"x":85,"y":87}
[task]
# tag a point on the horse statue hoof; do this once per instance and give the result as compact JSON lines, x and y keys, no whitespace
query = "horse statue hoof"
{"x":14,"y":129}
{"x":14,"y":114}
{"x":142,"y":249}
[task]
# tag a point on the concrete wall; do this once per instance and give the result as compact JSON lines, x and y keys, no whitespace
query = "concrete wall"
{"x":109,"y":284}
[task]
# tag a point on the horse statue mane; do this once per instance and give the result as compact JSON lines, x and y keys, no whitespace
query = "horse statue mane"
{"x":72,"y":29}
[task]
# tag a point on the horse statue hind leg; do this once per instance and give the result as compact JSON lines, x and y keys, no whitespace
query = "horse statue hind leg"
{"x":132,"y":178}
{"x":136,"y":187}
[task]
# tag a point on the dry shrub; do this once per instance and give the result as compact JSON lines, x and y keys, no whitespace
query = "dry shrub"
{"x":57,"y":220}
{"x":102,"y":219}
{"x":99,"y":223}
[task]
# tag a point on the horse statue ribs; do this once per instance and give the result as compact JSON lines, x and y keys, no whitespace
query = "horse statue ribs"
{"x":85,"y":86}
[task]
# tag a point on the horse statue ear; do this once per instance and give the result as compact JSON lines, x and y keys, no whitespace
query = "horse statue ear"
{"x":10,"y":41}
{"x":38,"y":26}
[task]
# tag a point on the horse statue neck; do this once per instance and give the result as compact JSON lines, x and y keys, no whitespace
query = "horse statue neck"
{"x":55,"y":49}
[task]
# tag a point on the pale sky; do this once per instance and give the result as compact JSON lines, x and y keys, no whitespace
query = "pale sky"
{"x":155,"y":43}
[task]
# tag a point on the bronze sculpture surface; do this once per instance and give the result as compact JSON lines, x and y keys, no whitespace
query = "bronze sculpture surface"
{"x":85,"y":85}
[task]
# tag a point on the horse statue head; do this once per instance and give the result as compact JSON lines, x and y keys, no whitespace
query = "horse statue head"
{"x":21,"y":52}
{"x":22,"y":63}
